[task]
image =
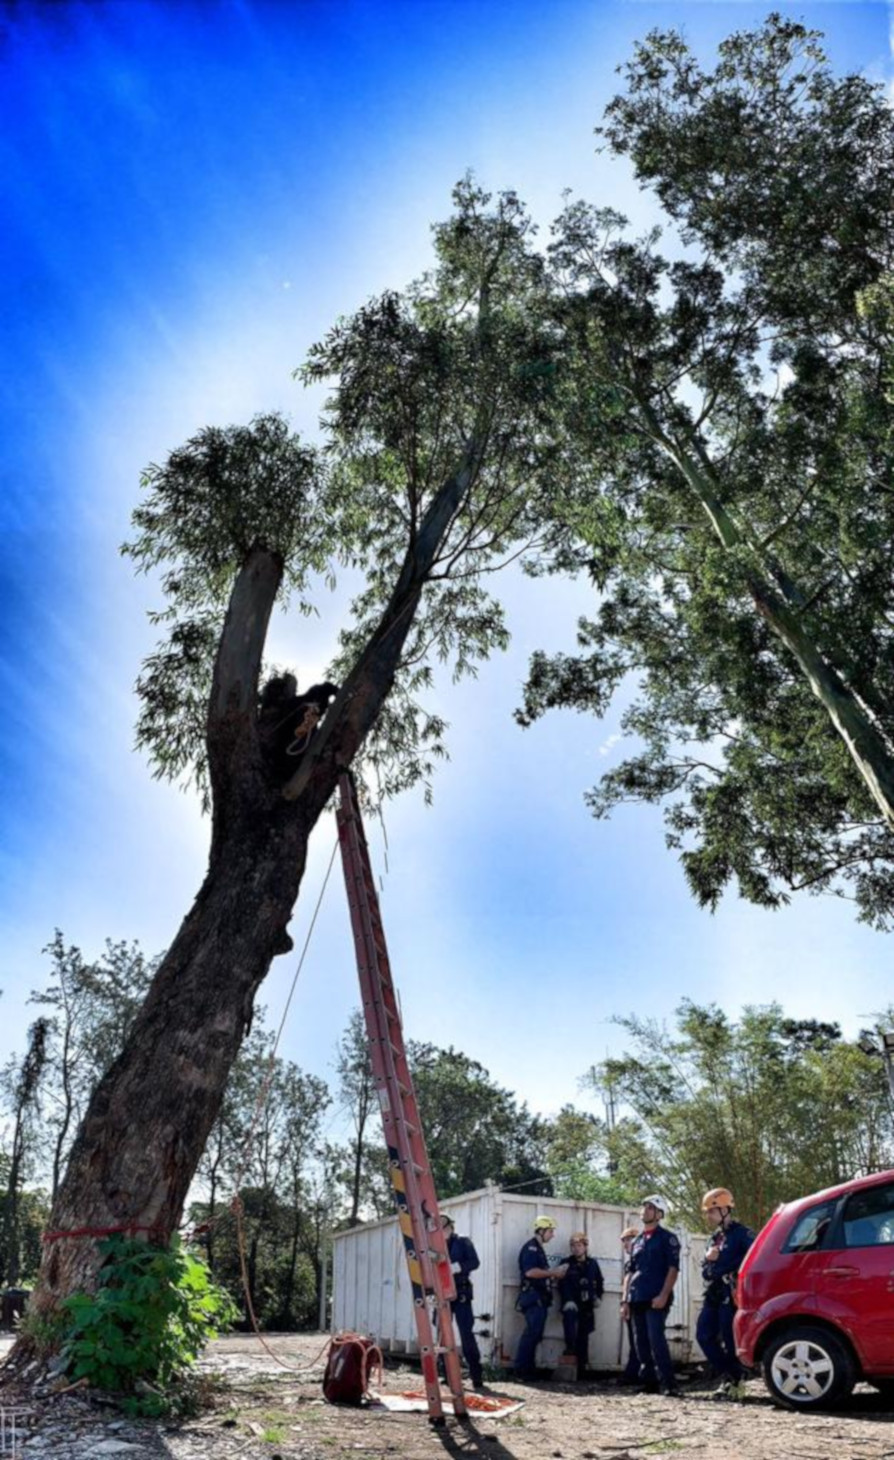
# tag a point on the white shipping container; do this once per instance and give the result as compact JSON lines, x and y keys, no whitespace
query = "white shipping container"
{"x":371,"y":1289}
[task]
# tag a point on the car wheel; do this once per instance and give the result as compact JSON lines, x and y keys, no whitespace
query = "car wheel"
{"x":807,"y":1368}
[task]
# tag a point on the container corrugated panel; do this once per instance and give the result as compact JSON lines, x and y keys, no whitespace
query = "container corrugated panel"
{"x":371,"y":1290}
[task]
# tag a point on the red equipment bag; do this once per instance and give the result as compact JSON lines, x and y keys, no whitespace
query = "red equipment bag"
{"x":351,"y":1360}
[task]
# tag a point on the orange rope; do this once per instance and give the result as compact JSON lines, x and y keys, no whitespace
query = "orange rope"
{"x":372,"y":1356}
{"x":236,"y":1209}
{"x":371,"y":1360}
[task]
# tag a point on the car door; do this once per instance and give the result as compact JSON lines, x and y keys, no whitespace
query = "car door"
{"x":857,"y":1278}
{"x":803,"y":1256}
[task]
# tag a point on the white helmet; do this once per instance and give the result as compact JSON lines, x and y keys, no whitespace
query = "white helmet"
{"x":656,"y":1201}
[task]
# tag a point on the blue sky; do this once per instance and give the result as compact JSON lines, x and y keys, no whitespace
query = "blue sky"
{"x":194,"y":193}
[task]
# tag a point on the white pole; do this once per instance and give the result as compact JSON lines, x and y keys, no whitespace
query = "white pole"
{"x":323,"y":1275}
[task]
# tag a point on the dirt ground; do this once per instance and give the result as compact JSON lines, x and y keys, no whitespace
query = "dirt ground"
{"x":569,"y":1423}
{"x":260,"y":1409}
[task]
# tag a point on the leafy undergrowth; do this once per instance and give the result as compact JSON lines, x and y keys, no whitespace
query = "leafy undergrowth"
{"x":141,"y":1333}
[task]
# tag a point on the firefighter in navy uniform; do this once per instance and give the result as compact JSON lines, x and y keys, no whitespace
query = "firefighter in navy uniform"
{"x":536,"y":1294}
{"x":648,"y":1294}
{"x":580,"y":1293}
{"x":631,"y":1370}
{"x":729,"y":1242}
{"x":464,"y":1260}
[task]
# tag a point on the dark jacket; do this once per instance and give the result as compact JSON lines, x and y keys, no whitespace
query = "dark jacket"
{"x":720,"y":1275}
{"x":461,"y":1251}
{"x":533,"y":1255}
{"x":651,"y":1259}
{"x":583,"y":1283}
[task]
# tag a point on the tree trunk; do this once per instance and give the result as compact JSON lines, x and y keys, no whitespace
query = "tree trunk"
{"x":212,"y":1212}
{"x":251,"y":1268}
{"x":289,"y":1288}
{"x":354,"y":1217}
{"x":61,"y":1142}
{"x":149,"y":1119}
{"x":774,"y":598}
{"x":10,"y":1234}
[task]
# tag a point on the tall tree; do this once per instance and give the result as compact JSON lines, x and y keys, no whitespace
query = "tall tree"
{"x":476,"y":1132}
{"x":227,"y":1159}
{"x":731,"y":422}
{"x":304,"y":1100}
{"x":23,"y":1087}
{"x":579,"y":1155}
{"x":358,"y":1100}
{"x":93,"y":1007}
{"x":767,"y":1105}
{"x":433,"y":452}
{"x":264,"y":1148}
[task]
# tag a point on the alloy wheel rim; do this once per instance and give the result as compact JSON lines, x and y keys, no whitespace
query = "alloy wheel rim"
{"x":802,"y":1371}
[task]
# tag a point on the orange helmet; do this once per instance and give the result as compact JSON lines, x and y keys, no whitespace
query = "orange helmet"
{"x":580,"y":1237}
{"x":718,"y":1196}
{"x":628,"y":1233}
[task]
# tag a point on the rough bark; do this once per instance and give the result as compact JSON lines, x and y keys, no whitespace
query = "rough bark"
{"x":149,"y":1119}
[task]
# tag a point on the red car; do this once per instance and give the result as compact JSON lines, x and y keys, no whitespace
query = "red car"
{"x":815,"y":1295}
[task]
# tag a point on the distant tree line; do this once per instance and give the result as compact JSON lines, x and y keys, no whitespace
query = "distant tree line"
{"x":772,"y":1106}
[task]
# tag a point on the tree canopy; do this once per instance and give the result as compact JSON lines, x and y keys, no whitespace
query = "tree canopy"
{"x":728,"y":411}
{"x":433,"y":463}
{"x":476,"y":1131}
{"x":770,"y":1106}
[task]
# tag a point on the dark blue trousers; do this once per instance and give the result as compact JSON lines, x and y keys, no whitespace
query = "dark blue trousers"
{"x":465,"y":1319}
{"x":631,"y":1370}
{"x":651,"y":1344}
{"x":714,"y":1335}
{"x":526,"y":1353}
{"x":578,"y":1323}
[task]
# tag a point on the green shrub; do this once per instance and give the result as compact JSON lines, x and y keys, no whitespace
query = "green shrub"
{"x":153,"y":1311}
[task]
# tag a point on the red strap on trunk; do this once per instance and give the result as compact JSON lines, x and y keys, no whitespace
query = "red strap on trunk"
{"x":99,"y":1231}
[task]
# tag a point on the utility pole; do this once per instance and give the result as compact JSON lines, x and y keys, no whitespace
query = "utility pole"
{"x":881,"y":1043}
{"x":887,"y":1039}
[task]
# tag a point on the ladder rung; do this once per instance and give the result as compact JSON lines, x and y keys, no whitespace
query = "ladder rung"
{"x":399,"y":1110}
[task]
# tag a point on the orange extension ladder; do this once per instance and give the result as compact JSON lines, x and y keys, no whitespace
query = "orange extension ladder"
{"x":414,"y":1188}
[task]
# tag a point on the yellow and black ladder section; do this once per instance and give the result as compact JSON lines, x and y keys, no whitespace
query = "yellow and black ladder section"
{"x":414,"y":1189}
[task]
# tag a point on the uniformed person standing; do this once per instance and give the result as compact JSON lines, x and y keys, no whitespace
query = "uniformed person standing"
{"x":729,"y":1242}
{"x":580,"y":1292}
{"x":631,"y":1371}
{"x":464,"y":1260}
{"x":648,"y":1294}
{"x":536,"y":1294}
